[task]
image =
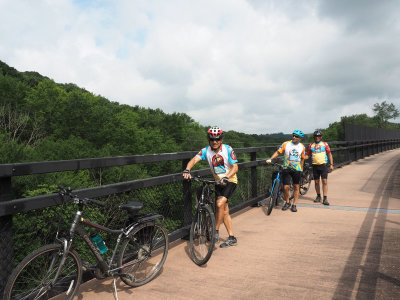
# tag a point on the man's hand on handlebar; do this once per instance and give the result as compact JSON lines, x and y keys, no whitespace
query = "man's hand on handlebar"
{"x":186,"y":174}
{"x":269,"y":161}
{"x":224,"y":180}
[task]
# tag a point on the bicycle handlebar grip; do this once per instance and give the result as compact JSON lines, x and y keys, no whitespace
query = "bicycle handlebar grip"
{"x":96,"y":202}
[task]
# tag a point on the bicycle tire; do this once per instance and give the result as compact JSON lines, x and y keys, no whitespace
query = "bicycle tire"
{"x":147,"y":248}
{"x":32,"y":276}
{"x":273,"y":197}
{"x":305,"y":182}
{"x":202,"y":235}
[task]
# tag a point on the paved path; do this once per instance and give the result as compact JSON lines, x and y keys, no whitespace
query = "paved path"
{"x":349,"y":250}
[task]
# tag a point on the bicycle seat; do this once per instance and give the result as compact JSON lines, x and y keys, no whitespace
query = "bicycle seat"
{"x":132,"y":207}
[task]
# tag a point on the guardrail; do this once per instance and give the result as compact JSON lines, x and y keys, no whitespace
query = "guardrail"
{"x":253,"y":190}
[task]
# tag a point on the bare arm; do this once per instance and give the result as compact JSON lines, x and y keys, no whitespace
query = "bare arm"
{"x":330,"y":160}
{"x":275,"y":155}
{"x":190,"y":165}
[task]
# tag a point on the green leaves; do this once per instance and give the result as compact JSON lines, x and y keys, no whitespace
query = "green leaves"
{"x":384,"y":112}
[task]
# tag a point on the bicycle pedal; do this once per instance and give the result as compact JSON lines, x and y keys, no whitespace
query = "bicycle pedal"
{"x":87,"y":267}
{"x":263,"y":203}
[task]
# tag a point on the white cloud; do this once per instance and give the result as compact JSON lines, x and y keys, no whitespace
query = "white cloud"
{"x":250,"y":66}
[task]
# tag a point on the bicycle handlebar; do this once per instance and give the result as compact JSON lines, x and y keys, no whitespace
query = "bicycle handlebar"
{"x":67,"y":191}
{"x":88,"y":200}
{"x":205,"y":180}
{"x":276,"y":164}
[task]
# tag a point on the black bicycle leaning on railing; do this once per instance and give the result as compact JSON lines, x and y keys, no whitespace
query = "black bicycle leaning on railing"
{"x":306,"y":178}
{"x":202,"y":230}
{"x":56,"y":269}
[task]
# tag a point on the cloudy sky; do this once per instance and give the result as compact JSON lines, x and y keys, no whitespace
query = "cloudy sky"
{"x":255,"y":66}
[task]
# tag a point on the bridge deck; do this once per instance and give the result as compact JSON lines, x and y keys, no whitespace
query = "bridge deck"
{"x":348,"y":250}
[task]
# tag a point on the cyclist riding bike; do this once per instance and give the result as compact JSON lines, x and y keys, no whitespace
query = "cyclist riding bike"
{"x":294,"y":153}
{"x":223,"y":164}
{"x":320,"y":153}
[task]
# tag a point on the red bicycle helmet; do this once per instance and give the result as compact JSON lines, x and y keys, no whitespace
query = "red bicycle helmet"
{"x":215,"y":133}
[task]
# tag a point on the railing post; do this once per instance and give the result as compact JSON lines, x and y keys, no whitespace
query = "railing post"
{"x":363,"y":149}
{"x":6,"y":235}
{"x":187,"y":198}
{"x":253,"y":157}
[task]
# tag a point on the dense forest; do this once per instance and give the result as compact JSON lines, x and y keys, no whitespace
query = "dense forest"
{"x":44,"y":120}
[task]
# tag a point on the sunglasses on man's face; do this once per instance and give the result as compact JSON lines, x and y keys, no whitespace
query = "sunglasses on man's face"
{"x":214,"y":139}
{"x":296,"y":136}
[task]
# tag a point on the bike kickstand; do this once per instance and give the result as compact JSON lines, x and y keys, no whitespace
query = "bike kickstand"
{"x":115,"y":287}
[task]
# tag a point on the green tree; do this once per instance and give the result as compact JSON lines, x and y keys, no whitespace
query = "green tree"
{"x":384,"y":112}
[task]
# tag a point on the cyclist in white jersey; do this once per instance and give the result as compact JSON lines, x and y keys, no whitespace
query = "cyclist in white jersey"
{"x":294,"y":153}
{"x":223,"y":164}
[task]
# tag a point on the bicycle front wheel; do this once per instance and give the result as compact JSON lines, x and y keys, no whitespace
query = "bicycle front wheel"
{"x":34,"y":277}
{"x":143,"y":254}
{"x":273,"y":198}
{"x":202,"y":235}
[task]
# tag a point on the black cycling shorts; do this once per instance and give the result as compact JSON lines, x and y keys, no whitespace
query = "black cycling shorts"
{"x":320,"y":171}
{"x":288,"y":174}
{"x":225,"y":190}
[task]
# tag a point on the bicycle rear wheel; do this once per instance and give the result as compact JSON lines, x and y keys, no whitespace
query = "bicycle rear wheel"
{"x":143,"y":254}
{"x":202,"y":235}
{"x":305,"y":183}
{"x":32,"y":278}
{"x":273,"y":197}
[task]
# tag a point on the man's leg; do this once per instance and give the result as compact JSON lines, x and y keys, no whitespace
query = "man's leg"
{"x":228,"y":220}
{"x":325,"y":187}
{"x":317,"y":190}
{"x":325,"y":190}
{"x":296,"y":175}
{"x":296,"y":191}
{"x":221,"y":201}
{"x":317,"y":187}
{"x":286,"y":192}
{"x":223,"y":214}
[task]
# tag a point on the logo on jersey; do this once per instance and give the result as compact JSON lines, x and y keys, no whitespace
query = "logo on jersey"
{"x":217,"y":160}
{"x":233,"y":155}
{"x":218,"y":164}
{"x":294,"y":156}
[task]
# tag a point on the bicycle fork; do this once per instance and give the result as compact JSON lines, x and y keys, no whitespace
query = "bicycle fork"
{"x":66,"y":246}
{"x":199,"y":222}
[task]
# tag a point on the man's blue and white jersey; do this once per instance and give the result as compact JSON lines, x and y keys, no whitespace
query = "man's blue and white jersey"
{"x":221,"y":162}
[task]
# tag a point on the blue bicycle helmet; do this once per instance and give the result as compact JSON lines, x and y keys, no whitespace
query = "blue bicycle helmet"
{"x":299,"y":133}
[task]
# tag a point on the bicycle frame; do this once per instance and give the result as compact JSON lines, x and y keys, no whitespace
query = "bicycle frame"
{"x":277,"y":181}
{"x":77,"y":228}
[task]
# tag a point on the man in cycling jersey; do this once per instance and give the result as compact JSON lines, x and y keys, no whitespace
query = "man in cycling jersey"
{"x":320,"y":153}
{"x":223,"y":164}
{"x":294,"y":153}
